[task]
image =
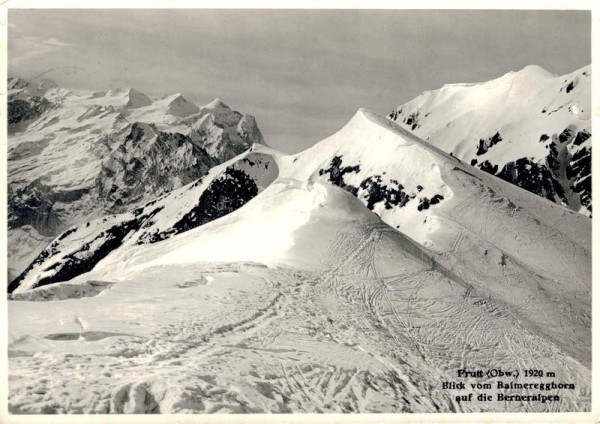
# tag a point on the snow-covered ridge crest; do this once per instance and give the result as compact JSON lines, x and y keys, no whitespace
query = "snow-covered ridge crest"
{"x":411,"y":185}
{"x":126,"y":98}
{"x":530,"y":127}
{"x":393,"y":172}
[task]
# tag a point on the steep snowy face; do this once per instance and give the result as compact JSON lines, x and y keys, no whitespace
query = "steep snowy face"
{"x":531,"y":128}
{"x":123,"y":98}
{"x":446,"y":205}
{"x":179,"y":106}
{"x":76,"y":156}
{"x":391,"y":171}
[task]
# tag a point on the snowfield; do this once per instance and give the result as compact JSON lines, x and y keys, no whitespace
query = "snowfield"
{"x":356,"y":276}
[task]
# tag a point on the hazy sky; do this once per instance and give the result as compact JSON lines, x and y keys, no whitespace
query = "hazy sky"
{"x":302,"y":73}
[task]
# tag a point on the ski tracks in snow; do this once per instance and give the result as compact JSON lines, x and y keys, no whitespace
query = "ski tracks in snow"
{"x":369,"y":334}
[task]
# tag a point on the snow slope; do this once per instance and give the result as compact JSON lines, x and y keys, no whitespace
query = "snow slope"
{"x":531,"y":128}
{"x":75,"y":156}
{"x":303,"y":299}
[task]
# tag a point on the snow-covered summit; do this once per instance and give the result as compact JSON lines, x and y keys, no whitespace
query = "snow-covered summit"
{"x":129,"y":98}
{"x":529,"y":127}
{"x":180,"y":106}
{"x":534,"y":71}
{"x":216,"y":104}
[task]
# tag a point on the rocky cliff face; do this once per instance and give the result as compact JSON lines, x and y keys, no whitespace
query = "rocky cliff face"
{"x":74,"y":156}
{"x":222,"y":132}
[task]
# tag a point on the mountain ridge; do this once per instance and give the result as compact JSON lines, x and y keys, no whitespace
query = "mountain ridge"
{"x":429,"y":196}
{"x":529,"y":127}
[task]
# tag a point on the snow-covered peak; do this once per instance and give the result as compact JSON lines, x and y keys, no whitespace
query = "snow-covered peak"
{"x":129,"y":98}
{"x":533,"y":71}
{"x":216,"y":104}
{"x":137,"y":99}
{"x":18,"y":88}
{"x":529,"y":127}
{"x":180,"y":107}
{"x":369,"y":137}
{"x":223,"y":132}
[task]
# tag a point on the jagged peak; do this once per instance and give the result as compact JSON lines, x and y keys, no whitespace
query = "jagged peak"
{"x":131,"y":90}
{"x":141,"y":130}
{"x":177,"y":98}
{"x":121,"y":91}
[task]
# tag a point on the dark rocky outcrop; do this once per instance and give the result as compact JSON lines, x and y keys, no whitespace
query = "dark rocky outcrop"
{"x":581,"y":137}
{"x":580,"y":171}
{"x":20,"y":112}
{"x":424,"y":203}
{"x":486,"y":144}
{"x":225,"y":194}
{"x":532,"y":177}
{"x":85,"y":258}
{"x":373,"y":190}
{"x":392,"y":195}
{"x":336,"y":174}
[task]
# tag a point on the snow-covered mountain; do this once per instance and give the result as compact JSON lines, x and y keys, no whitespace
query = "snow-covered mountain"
{"x":224,"y":189}
{"x":355,"y":276}
{"x":74,"y":156}
{"x":531,"y":128}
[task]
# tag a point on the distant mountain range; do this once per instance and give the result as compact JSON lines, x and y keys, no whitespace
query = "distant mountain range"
{"x":74,"y":156}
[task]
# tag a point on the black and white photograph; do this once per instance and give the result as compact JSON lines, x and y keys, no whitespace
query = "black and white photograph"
{"x":298,"y":211}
